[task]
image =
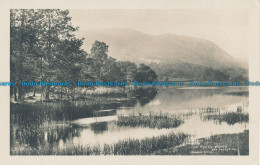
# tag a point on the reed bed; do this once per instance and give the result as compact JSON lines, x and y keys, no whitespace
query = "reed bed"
{"x":229,"y":117}
{"x":129,"y":146}
{"x":209,"y":110}
{"x":152,"y":120}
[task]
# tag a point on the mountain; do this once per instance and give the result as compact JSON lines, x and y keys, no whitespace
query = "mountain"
{"x":135,"y":46}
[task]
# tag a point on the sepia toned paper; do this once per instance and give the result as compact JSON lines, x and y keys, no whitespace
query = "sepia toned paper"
{"x":179,"y":40}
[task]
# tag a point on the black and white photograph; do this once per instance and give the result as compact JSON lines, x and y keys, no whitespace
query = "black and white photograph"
{"x":175,"y":81}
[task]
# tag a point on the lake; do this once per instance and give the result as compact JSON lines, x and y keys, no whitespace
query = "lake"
{"x":34,"y":124}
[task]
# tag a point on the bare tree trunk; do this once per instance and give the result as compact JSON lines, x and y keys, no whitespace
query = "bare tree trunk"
{"x":67,"y":93}
{"x":61,"y":94}
{"x":34,"y":91}
{"x":42,"y":95}
{"x":42,"y":92}
{"x":20,"y":93}
{"x":47,"y":94}
{"x":15,"y":94}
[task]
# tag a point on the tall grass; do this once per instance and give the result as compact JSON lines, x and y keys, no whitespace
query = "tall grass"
{"x":129,"y":146}
{"x":229,"y":117}
{"x":152,"y":120}
{"x":222,"y":144}
{"x":209,"y":110}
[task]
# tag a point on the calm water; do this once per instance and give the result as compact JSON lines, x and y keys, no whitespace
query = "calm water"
{"x":34,"y":125}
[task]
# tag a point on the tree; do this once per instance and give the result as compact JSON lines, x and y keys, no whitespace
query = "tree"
{"x":99,"y":55}
{"x":128,"y":70}
{"x":22,"y":40}
{"x":36,"y":39}
{"x":145,"y":73}
{"x":110,"y":71}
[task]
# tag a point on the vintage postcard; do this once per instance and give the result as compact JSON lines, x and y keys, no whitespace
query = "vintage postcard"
{"x":130,"y":82}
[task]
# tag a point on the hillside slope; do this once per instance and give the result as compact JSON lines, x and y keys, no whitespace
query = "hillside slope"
{"x":131,"y":45}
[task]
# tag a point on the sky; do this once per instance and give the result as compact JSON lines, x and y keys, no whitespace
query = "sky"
{"x":228,"y":28}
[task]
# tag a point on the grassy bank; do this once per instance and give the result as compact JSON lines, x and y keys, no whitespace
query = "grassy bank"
{"x":61,"y":110}
{"x":129,"y":146}
{"x":224,"y":144}
{"x":152,"y":121}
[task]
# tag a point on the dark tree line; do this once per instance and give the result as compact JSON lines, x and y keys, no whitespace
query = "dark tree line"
{"x":198,"y":72}
{"x":43,"y":47}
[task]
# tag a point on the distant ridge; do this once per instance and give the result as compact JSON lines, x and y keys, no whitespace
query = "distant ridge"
{"x":135,"y":46}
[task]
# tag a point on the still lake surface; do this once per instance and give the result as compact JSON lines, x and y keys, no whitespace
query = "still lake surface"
{"x":34,"y":125}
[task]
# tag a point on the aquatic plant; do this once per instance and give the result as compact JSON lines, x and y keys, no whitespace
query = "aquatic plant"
{"x":229,"y":117}
{"x":152,"y":120}
{"x":129,"y":146}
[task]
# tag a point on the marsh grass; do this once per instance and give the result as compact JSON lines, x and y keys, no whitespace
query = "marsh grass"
{"x":229,"y":117}
{"x":223,"y":144}
{"x":129,"y":146}
{"x":152,"y":120}
{"x":61,"y":110}
{"x":201,"y":112}
{"x":209,"y":110}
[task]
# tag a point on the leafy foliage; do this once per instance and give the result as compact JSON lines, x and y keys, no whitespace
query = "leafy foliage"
{"x":45,"y":48}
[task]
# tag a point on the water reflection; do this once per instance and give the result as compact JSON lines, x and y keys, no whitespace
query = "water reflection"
{"x":99,"y":127}
{"x":144,"y":95}
{"x":55,"y":123}
{"x":171,"y":100}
